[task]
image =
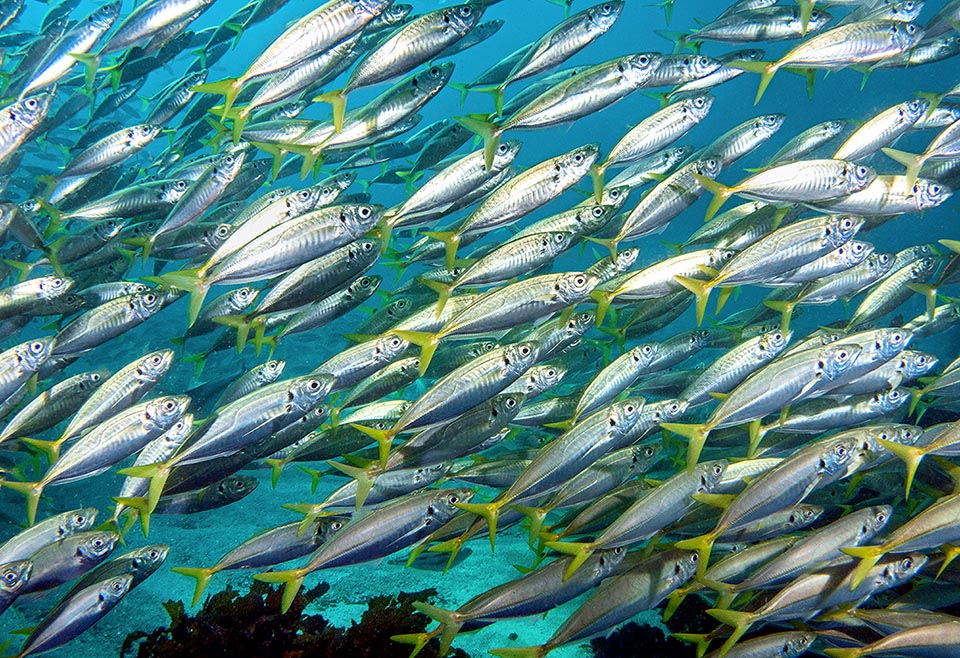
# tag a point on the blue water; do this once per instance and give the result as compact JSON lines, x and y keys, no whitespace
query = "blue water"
{"x":201,"y":539}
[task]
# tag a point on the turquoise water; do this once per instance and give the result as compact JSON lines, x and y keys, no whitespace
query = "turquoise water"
{"x":201,"y":539}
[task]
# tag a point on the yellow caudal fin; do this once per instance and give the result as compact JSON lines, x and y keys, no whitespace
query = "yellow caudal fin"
{"x":482,"y":125}
{"x":449,"y":622}
{"x":291,"y":580}
{"x":701,"y":290}
{"x":849,"y":652}
{"x":443,"y":290}
{"x":384,"y":439}
{"x":609,"y":243}
{"x":314,"y":474}
{"x":536,"y":515}
{"x":32,"y":491}
{"x":497,"y":92}
{"x":868,"y":556}
{"x":696,"y":436}
{"x":229,"y":88}
{"x":720,"y":194}
{"x":426,"y":341}
{"x":451,"y":242}
{"x":785,"y":309}
{"x":276,"y":468}
{"x":911,"y":456}
{"x":418,"y":640}
{"x":736,"y":619}
{"x":191,"y":280}
{"x":50,"y":449}
{"x":338,"y":101}
{"x":766,"y":70}
{"x":158,"y":474}
{"x":521,"y":652}
{"x":239,"y":322}
{"x":90,"y":63}
{"x":55,"y":216}
{"x":141,"y":505}
{"x":701,"y":641}
{"x":911,"y":161}
{"x":201,"y":575}
{"x":603,"y":299}
{"x":597,"y":173}
{"x":365,"y":479}
{"x":703,"y":545}
{"x":580,"y":551}
{"x":929,"y":293}
{"x":489,"y":511}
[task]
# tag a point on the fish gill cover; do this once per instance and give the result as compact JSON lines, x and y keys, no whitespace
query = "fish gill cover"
{"x":417,"y":298}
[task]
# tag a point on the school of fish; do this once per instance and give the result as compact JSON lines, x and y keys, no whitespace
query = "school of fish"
{"x":792,"y":462}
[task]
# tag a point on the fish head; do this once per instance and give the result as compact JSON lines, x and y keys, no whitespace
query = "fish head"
{"x":54,"y":286}
{"x":614,"y":197}
{"x":639,"y":69}
{"x":831,"y":128}
{"x":698,"y":107}
{"x":359,"y":218}
{"x":104,"y":16}
{"x":429,"y":82}
{"x":226,"y":166}
{"x":443,"y":504}
{"x":688,"y":67}
{"x":890,"y":400}
{"x":572,"y":287}
{"x":837,"y":454}
{"x":394,"y":14}
{"x":148,"y":559}
{"x":307,"y":199}
{"x":364,"y":251}
{"x":171,"y":191}
{"x":578,"y":324}
{"x":543,"y":378}
{"x":242,"y":297}
{"x":644,"y":456}
{"x":700,"y":338}
{"x":929,"y":193}
{"x":625,"y":414}
{"x":854,"y":252}
{"x":555,"y":242}
{"x":668,"y":411}
{"x":889,"y":342}
{"x":602,"y":17}
{"x":904,"y":36}
{"x":364,"y":286}
{"x":90,"y":381}
{"x":163,"y":413}
{"x":772,"y":343}
{"x":819,"y":18}
{"x":609,"y":562}
{"x":327,"y":526}
{"x":834,"y":360}
{"x":899,"y":569}
{"x":593,"y":217}
{"x":803,"y":515}
{"x":306,"y":392}
{"x":520,"y":357}
{"x":626,"y":259}
{"x":797,"y":644}
{"x":916,"y":364}
{"x":505,"y":407}
{"x":838,"y":229}
{"x":389,"y":347}
{"x":270,"y":371}
{"x":876,"y":520}
{"x":574,"y":165}
{"x":31,"y":355}
{"x":108,"y":229}
{"x":462,"y":18}
{"x":880,"y":263}
{"x":913,"y":110}
{"x":710,"y":474}
{"x":684,"y":566}
{"x":146,"y":304}
{"x":154,"y":366}
{"x":76,"y":521}
{"x":142,"y":134}
{"x":643,"y":355}
{"x":924,"y":267}
{"x":31,"y":111}
{"x":767,"y":125}
{"x":854,"y":177}
{"x":96,"y":546}
{"x":504,"y":155}
{"x":234,"y":487}
{"x":13,"y":576}
{"x":709,"y":167}
{"x":375,"y":8}
{"x":111,"y":591}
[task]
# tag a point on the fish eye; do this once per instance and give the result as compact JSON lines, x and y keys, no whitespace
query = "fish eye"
{"x":842,"y":354}
{"x":79,"y":519}
{"x":674,"y":408}
{"x":314,"y":385}
{"x":304,"y":195}
{"x":95,"y":377}
{"x":560,"y":237}
{"x":629,"y":408}
{"x":648,"y":452}
{"x":644,"y":60}
{"x":699,"y":101}
{"x":149,"y":298}
{"x":31,"y":104}
{"x":36,"y":347}
{"x":906,"y":563}
{"x":911,"y":29}
{"x":881,"y":517}
{"x":717,"y":469}
{"x":10,"y":577}
{"x":580,"y":280}
{"x":435,"y":71}
{"x":336,"y":525}
{"x":169,"y":405}
{"x":117,"y":586}
{"x":502,"y":148}
{"x":618,"y":550}
{"x":153,"y":554}
{"x":862,"y":171}
{"x":695,"y":557}
{"x":98,"y":543}
{"x":240,"y":485}
{"x":815,"y":15}
{"x":454,"y":499}
{"x":524,"y":351}
{"x":465,"y":11}
{"x":511,"y":403}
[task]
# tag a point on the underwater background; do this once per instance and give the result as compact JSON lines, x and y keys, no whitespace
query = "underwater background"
{"x":202,"y":538}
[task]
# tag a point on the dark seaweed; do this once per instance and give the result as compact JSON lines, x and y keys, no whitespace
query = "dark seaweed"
{"x":231,"y":625}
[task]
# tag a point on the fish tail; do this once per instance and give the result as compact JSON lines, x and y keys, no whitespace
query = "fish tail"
{"x":703,"y":545}
{"x":849,"y":652}
{"x":609,"y":243}
{"x":720,"y":194}
{"x":202,"y":575}
{"x":536,"y":516}
{"x":521,"y":652}
{"x":696,"y":436}
{"x":292,"y":580}
{"x":365,"y":479}
{"x":701,"y":290}
{"x":806,"y":13}
{"x":678,"y":39}
{"x":338,"y":101}
{"x":140,"y":504}
{"x":674,"y":601}
{"x":410,"y":177}
{"x":50,"y":449}
{"x":929,"y":293}
{"x":911,"y":456}
{"x":463,"y":88}
{"x":449,"y":621}
{"x":239,"y":322}
{"x":276,"y":468}
{"x":603,"y":299}
{"x":765,"y":69}
{"x":916,"y":394}
{"x":24,"y":268}
{"x":443,"y":290}
{"x":562,"y":425}
{"x":55,"y":216}
{"x":191,"y":280}
{"x":32,"y":491}
{"x":489,"y":511}
{"x":315,"y":476}
{"x":418,"y":640}
{"x":451,"y":240}
{"x":278,"y":154}
{"x":482,"y":125}
{"x":158,"y":474}
{"x":597,"y":173}
{"x":91,"y":63}
{"x":911,"y":161}
{"x":738,"y":620}
{"x":383,"y":437}
{"x":701,"y":641}
{"x":426,"y":341}
{"x":198,"y":361}
{"x":785,"y":309}
{"x":229,"y":88}
{"x":497,"y":92}
{"x":868,"y":556}
{"x":579,"y":551}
